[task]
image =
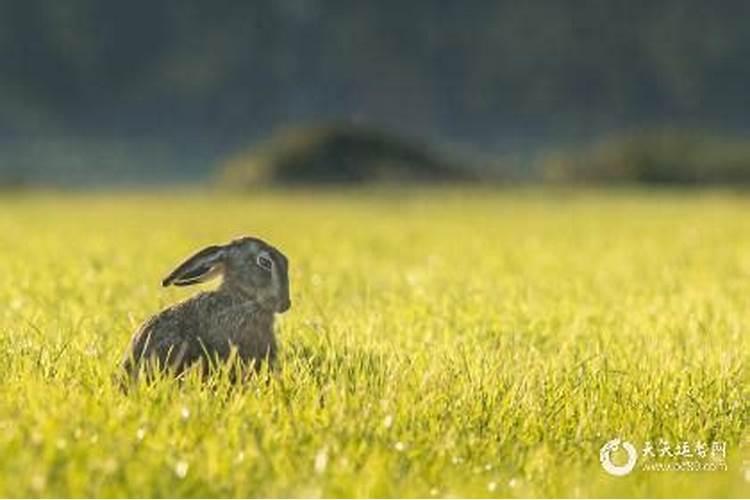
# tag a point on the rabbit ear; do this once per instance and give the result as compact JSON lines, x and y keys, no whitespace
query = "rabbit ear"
{"x":201,"y":267}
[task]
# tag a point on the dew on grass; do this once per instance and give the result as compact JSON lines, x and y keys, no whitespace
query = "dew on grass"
{"x":37,"y":438}
{"x":109,"y":465}
{"x":38,"y":482}
{"x":388,"y":421}
{"x":321,"y":461}
{"x":181,"y":469}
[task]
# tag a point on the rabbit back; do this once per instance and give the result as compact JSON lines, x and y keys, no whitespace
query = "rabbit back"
{"x":205,"y":328}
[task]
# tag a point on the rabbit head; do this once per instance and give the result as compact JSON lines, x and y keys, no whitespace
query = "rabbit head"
{"x":250,"y":267}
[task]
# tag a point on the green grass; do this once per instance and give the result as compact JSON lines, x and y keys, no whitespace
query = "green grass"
{"x":440,"y":344}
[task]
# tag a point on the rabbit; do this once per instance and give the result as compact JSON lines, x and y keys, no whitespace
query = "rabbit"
{"x":237,"y":316}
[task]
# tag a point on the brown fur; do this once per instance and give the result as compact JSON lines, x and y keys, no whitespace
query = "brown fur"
{"x":238,"y":316}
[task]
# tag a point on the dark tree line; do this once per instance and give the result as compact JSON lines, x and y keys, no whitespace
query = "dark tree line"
{"x":488,"y":74}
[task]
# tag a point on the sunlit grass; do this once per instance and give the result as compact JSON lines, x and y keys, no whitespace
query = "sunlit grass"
{"x":440,"y":344}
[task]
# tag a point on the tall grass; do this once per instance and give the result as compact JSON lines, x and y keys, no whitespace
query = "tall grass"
{"x":440,"y":344}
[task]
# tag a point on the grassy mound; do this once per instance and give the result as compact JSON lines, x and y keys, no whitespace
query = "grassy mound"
{"x":338,"y":155}
{"x":656,"y":157}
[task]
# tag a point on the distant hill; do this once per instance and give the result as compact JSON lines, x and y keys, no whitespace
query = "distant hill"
{"x":670,"y":156}
{"x":339,"y":154}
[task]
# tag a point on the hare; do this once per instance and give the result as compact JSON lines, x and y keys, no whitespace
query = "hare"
{"x":238,"y":315}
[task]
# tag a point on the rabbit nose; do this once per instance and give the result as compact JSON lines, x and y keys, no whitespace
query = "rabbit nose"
{"x":285,"y":305}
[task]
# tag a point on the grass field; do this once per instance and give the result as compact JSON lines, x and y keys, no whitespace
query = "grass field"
{"x":440,"y":343}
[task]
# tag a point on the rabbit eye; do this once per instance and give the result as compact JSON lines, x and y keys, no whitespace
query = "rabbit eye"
{"x":265,"y":262}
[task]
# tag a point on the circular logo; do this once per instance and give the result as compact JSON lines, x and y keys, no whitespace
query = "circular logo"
{"x":605,"y":457}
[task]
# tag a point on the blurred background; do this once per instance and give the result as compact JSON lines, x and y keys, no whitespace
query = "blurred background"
{"x":250,"y":93}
